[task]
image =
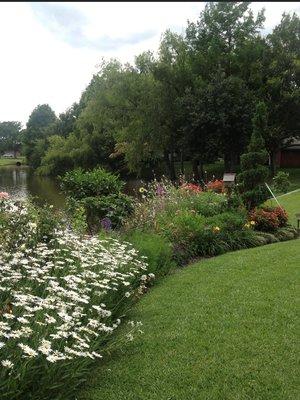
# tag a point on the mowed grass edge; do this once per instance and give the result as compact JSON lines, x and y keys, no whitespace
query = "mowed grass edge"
{"x":224,"y":328}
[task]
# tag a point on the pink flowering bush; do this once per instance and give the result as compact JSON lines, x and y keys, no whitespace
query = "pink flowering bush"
{"x":4,"y":196}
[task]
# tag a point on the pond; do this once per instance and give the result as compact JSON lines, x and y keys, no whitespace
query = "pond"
{"x":21,"y":182}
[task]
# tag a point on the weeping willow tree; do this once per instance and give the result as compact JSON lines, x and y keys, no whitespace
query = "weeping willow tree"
{"x":254,"y":172}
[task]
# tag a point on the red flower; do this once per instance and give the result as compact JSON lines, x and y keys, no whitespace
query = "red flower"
{"x":191,"y":187}
{"x":216,"y":186}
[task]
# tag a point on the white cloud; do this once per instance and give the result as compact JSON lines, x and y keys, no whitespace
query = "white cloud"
{"x":49,"y":51}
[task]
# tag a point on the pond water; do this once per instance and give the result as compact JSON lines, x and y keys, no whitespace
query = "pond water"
{"x":21,"y":182}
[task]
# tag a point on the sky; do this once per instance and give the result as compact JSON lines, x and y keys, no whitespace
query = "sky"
{"x":50,"y":50}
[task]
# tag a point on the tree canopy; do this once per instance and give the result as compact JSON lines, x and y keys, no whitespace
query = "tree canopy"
{"x":192,"y":101}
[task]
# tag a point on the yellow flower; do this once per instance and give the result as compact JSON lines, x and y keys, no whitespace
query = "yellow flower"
{"x":247,"y":225}
{"x":216,"y":229}
{"x":252,"y":223}
{"x":142,"y":190}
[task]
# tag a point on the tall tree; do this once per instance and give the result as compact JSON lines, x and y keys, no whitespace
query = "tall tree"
{"x":37,"y":131}
{"x":222,"y":29}
{"x":10,"y":135}
{"x":282,"y":88}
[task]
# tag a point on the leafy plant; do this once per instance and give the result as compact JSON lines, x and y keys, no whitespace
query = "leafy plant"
{"x":281,"y":181}
{"x":95,"y":195}
{"x":98,"y":182}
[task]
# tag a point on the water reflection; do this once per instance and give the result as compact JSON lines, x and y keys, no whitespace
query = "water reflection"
{"x":20,"y":182}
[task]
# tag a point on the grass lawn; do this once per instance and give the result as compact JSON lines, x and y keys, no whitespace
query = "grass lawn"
{"x":11,"y":161}
{"x":224,"y":328}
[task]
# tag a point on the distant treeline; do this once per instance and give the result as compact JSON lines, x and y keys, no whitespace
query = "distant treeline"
{"x":194,"y":101}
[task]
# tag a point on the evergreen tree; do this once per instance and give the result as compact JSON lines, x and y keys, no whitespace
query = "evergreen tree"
{"x":254,"y":172}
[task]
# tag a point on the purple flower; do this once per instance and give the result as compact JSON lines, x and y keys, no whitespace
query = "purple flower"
{"x":106,"y":223}
{"x":160,"y":190}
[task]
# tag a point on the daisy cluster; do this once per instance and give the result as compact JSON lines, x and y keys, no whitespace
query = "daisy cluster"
{"x":60,"y":299}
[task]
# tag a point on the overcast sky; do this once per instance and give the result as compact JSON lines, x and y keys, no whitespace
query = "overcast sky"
{"x":49,"y":51}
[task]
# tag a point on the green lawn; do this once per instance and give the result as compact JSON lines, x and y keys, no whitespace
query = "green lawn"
{"x":11,"y":161}
{"x":224,"y":328}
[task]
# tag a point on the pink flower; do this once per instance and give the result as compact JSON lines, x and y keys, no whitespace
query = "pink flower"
{"x":4,"y":195}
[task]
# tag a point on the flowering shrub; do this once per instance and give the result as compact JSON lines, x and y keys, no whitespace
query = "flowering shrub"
{"x":23,"y":224}
{"x":268,"y":219}
{"x":282,"y":216}
{"x":60,"y":301}
{"x":215,"y":186}
{"x":4,"y":195}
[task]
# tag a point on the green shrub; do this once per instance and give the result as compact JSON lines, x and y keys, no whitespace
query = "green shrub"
{"x":286,"y":233}
{"x":195,"y":235}
{"x":281,"y":182}
{"x":268,"y":237}
{"x":95,"y":195}
{"x":98,"y":182}
{"x":253,"y":170}
{"x":157,"y":249}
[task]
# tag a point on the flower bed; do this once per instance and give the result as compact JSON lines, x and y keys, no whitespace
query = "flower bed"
{"x":61,"y":298}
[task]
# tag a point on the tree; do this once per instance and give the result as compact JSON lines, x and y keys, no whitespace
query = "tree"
{"x":40,"y":121}
{"x":254,"y":172}
{"x":10,"y":135}
{"x":282,"y":87}
{"x":215,"y":40}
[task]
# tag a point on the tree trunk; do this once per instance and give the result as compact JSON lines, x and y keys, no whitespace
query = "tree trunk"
{"x":231,"y":160}
{"x":181,"y":163}
{"x":272,"y":163}
{"x":227,"y":162}
{"x":201,"y":170}
{"x":195,"y":163}
{"x":169,"y":160}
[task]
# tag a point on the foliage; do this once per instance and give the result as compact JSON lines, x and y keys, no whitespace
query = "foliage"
{"x":96,"y":195}
{"x":281,"y":181}
{"x":157,"y":250}
{"x":10,"y":135}
{"x":194,"y":235}
{"x":191,"y":102}
{"x":98,"y":182}
{"x":61,"y":299}
{"x":35,"y":136}
{"x":163,"y":199}
{"x":254,"y":172}
{"x":115,"y":207}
